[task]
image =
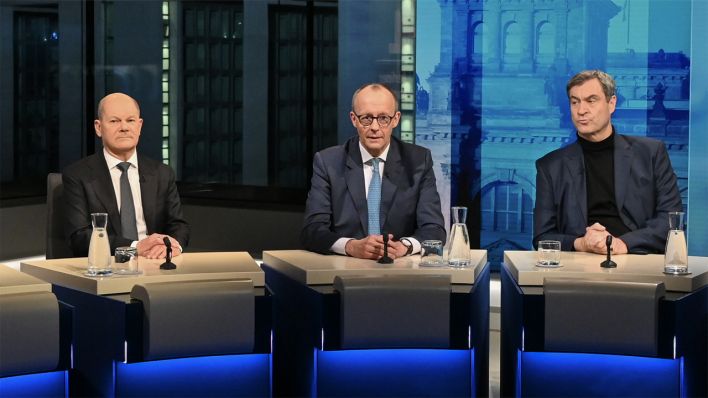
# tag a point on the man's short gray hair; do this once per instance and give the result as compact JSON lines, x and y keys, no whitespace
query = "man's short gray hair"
{"x":606,"y":81}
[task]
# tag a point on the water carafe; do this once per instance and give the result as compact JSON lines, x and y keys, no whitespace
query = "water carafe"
{"x":676,"y":254}
{"x":459,"y":243}
{"x":99,"y":255}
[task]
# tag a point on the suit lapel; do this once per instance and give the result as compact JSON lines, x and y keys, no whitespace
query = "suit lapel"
{"x":354,"y":177}
{"x":103,"y":186}
{"x":148,"y":192}
{"x":623,"y":165}
{"x":576,"y":169}
{"x":390,"y":181}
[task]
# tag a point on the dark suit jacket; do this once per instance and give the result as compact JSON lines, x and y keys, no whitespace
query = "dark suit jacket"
{"x":336,"y":204}
{"x":88,"y":189}
{"x":645,"y":191}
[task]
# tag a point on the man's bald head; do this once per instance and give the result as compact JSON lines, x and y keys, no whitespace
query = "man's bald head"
{"x":114,"y":97}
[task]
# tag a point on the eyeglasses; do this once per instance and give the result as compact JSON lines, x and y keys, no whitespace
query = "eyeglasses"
{"x":367,"y":120}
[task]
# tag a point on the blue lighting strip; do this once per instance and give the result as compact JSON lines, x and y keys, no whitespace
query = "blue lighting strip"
{"x":394,"y":372}
{"x":51,"y":384}
{"x":552,"y":374}
{"x":227,"y":375}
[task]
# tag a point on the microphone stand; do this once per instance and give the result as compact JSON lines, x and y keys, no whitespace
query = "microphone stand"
{"x":608,"y":263}
{"x":385,"y":259}
{"x":168,"y":264}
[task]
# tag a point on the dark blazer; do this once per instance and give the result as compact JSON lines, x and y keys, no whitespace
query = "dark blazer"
{"x":336,"y":204}
{"x":645,"y":191}
{"x":88,"y":189}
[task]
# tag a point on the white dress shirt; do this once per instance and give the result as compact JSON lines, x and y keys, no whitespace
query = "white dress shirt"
{"x":340,"y":244}
{"x":134,"y":180}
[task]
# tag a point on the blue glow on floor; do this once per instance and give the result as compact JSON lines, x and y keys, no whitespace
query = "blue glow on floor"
{"x":52,"y":384}
{"x":394,"y":372}
{"x":227,"y":375}
{"x":569,"y":374}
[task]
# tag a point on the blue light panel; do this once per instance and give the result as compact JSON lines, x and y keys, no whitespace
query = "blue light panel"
{"x":394,"y":372}
{"x":52,"y":384}
{"x":227,"y":375}
{"x":552,"y":374}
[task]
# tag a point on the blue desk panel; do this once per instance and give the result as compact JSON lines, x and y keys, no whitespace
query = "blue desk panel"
{"x":307,"y":359}
{"x":527,"y":370}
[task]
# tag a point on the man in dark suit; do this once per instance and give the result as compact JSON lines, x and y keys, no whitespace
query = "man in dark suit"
{"x":373,"y":184}
{"x":138,"y":193}
{"x":605,"y":183}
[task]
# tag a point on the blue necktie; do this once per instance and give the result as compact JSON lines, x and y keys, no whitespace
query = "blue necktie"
{"x":374,"y":199}
{"x":127,"y":207}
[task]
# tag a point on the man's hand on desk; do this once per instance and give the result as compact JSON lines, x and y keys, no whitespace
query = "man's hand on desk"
{"x":396,"y":248}
{"x":618,"y":246}
{"x":154,"y":247}
{"x":371,"y":247}
{"x":594,"y":241}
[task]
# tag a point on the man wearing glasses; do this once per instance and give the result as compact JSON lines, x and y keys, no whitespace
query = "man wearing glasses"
{"x":370,"y":185}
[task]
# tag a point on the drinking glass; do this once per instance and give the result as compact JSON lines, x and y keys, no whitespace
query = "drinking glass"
{"x":126,"y":261}
{"x":431,"y":253}
{"x":549,"y":254}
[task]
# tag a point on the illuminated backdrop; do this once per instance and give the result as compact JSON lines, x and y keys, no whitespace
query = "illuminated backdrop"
{"x":491,"y":97}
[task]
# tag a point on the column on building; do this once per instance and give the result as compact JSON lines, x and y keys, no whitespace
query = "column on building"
{"x":492,"y":20}
{"x":526,"y":23}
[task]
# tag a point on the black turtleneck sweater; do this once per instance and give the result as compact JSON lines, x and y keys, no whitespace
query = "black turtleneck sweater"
{"x":599,"y":160}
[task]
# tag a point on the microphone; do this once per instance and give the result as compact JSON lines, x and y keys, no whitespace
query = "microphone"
{"x":608,"y":263}
{"x":385,"y":259}
{"x":168,"y":264}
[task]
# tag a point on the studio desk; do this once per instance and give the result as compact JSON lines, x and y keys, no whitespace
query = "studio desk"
{"x":35,"y":334}
{"x":584,"y":330}
{"x":202,"y":329}
{"x":353,"y":327}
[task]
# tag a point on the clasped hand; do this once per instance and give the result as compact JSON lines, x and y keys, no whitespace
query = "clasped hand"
{"x":594,"y":241}
{"x":372,"y":247}
{"x":153,"y":246}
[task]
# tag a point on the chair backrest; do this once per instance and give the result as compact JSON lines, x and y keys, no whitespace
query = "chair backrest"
{"x":196,"y":318}
{"x":29,"y":333}
{"x":57,"y":245}
{"x":394,"y":311}
{"x":603,"y":317}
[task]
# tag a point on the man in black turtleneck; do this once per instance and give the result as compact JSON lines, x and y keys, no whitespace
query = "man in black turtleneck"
{"x":605,"y":183}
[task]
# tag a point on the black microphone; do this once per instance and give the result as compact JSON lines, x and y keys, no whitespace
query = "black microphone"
{"x":608,"y":263}
{"x":385,"y":259}
{"x":168,"y":264}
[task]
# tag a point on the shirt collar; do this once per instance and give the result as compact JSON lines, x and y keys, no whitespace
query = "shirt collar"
{"x":112,"y":161}
{"x":366,"y":156}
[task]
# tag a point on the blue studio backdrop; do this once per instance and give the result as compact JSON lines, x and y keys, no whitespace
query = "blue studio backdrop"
{"x":491,"y":98}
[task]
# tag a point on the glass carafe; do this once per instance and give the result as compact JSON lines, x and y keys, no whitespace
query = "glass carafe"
{"x":99,"y":255}
{"x":676,"y":254}
{"x":459,"y":245}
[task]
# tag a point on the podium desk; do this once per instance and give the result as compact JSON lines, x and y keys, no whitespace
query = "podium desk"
{"x":352,"y":327}
{"x":126,"y":344}
{"x":678,"y":366}
{"x":15,"y":282}
{"x":35,"y":331}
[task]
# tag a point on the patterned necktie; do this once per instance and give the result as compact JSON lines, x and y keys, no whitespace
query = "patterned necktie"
{"x":374,"y":199}
{"x":127,"y":207}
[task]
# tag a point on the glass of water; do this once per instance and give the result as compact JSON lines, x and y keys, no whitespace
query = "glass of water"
{"x":431,"y":253}
{"x":126,"y":261}
{"x":549,"y":254}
